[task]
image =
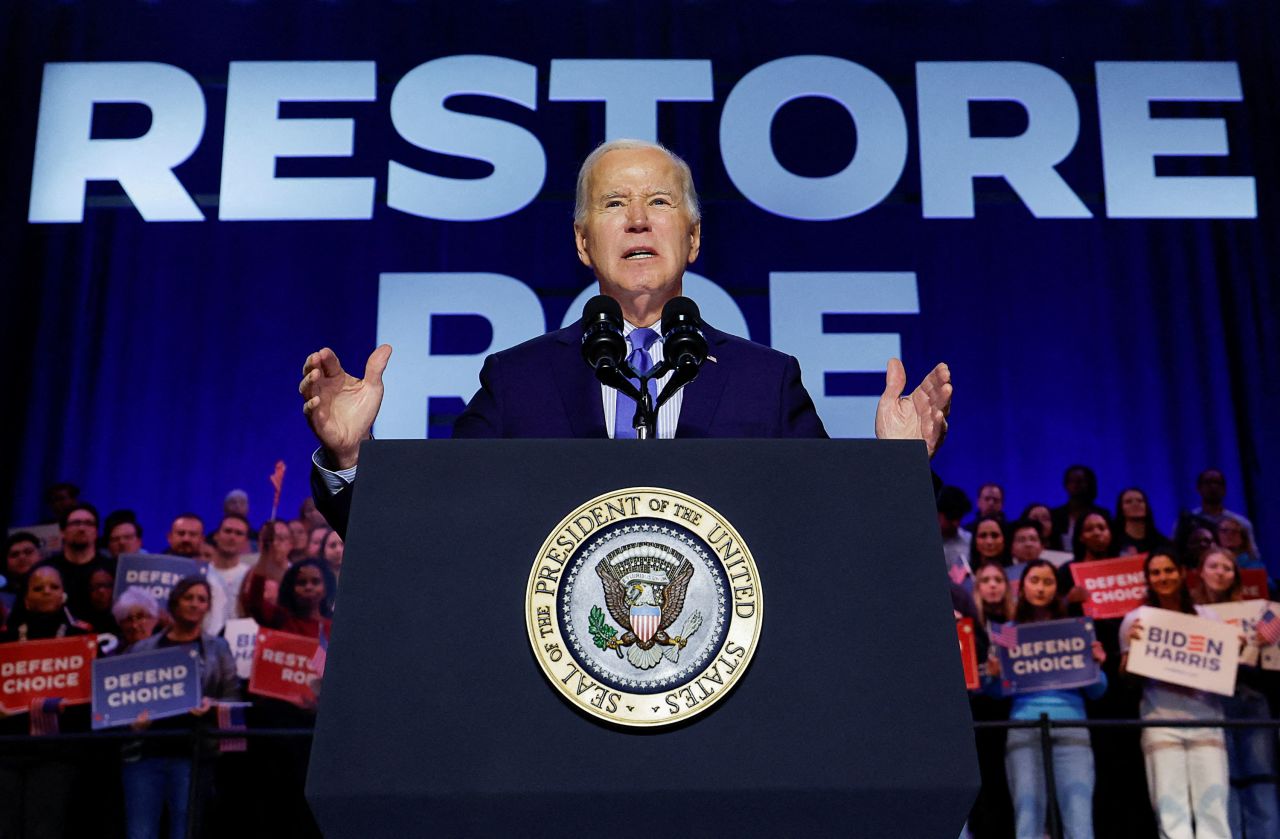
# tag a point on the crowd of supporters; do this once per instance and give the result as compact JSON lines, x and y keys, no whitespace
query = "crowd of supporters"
{"x":283,"y":575}
{"x":1174,"y":782}
{"x":1206,"y":782}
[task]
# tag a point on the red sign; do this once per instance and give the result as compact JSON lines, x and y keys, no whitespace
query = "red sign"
{"x":284,"y":665}
{"x":57,"y":668}
{"x":1113,"y":587}
{"x":968,"y":653}
{"x":1253,"y":583}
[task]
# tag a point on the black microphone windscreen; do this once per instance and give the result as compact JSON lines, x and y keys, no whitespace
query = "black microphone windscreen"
{"x":601,"y":305}
{"x":680,"y":310}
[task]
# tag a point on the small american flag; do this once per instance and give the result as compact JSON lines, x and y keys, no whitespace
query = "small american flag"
{"x":321,"y":655}
{"x":1268,"y":627}
{"x":1004,"y":635}
{"x":231,"y":718}
{"x":44,"y":716}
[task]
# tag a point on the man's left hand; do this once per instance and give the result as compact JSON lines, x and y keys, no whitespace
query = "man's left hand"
{"x":920,"y":416}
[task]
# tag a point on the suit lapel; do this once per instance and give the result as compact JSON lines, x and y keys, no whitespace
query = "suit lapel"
{"x":579,"y":389}
{"x":702,"y":395}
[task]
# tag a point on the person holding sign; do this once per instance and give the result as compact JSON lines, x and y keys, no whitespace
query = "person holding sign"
{"x":1253,"y":808}
{"x":41,"y":609}
{"x":157,"y":773}
{"x":305,"y":601}
{"x":1186,"y":767}
{"x":1072,"y":755}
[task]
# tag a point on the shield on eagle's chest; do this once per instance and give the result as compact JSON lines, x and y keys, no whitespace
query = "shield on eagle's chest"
{"x":645,"y":620}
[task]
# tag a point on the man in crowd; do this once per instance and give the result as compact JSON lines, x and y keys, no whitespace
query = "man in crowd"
{"x":1081,"y":485}
{"x":185,"y":535}
{"x":124,"y":537}
{"x":79,"y":558}
{"x":236,"y":503}
{"x":230,"y":541}
{"x":637,"y":228}
{"x":21,"y":553}
{"x":990,"y":504}
{"x":61,"y":497}
{"x":1212,"y":487}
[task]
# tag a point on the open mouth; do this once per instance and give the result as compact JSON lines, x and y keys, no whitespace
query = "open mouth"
{"x":639,"y":253}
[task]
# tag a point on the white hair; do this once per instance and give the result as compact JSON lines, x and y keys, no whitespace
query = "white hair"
{"x":582,"y":198}
{"x":134,"y":597}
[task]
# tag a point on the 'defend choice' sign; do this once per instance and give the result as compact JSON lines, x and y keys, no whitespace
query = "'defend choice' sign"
{"x":67,"y":156}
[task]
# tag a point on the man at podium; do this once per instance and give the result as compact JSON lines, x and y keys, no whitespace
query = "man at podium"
{"x":637,"y":227}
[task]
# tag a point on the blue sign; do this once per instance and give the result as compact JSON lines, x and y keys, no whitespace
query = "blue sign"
{"x":1047,"y":655}
{"x":156,"y":573}
{"x":164,"y":683}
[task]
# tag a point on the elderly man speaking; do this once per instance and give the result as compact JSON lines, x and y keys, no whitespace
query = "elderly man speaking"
{"x":636,"y":226}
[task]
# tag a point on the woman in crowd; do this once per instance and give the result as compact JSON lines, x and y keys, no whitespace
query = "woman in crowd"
{"x":157,"y":773}
{"x":992,"y":814}
{"x":300,"y":537}
{"x":1232,"y":536}
{"x":315,"y":543}
{"x":36,"y":787}
{"x":1041,"y":514}
{"x":332,"y":552}
{"x":137,"y":613}
{"x":276,"y":543}
{"x":1137,"y":525}
{"x":992,"y":595}
{"x":1072,"y":755}
{"x":988,"y":543}
{"x":102,"y":585}
{"x":1186,"y":767}
{"x":305,"y":602}
{"x":40,"y":611}
{"x":1253,"y":809}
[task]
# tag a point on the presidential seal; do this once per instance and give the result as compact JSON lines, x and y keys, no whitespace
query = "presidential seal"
{"x":643,"y":607}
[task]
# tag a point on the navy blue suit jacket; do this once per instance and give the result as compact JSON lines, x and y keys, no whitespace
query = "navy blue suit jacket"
{"x":543,"y":389}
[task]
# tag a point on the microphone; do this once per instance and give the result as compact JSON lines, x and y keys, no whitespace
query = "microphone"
{"x":684,"y":347}
{"x":682,"y":339}
{"x":603,"y":346}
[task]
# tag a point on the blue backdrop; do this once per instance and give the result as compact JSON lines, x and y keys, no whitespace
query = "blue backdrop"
{"x":155,"y":362}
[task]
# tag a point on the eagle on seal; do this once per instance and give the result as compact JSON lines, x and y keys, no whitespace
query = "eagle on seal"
{"x":643,"y":599}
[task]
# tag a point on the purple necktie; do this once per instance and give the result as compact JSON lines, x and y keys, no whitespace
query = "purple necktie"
{"x":640,"y":340}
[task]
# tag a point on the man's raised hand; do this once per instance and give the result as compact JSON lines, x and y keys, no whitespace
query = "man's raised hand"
{"x":920,"y":416}
{"x":340,"y":407}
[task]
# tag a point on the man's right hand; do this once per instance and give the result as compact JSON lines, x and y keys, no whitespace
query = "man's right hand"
{"x":340,"y":407}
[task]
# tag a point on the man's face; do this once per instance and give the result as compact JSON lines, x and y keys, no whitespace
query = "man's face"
{"x":81,"y":530}
{"x":1077,"y":485}
{"x":990,"y":501}
{"x":185,"y":536}
{"x":21,"y":558}
{"x":1213,"y":488}
{"x":1026,"y":544}
{"x":231,"y":537}
{"x":637,"y":236}
{"x":123,"y":539}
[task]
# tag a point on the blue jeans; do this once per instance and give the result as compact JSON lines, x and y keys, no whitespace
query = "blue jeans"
{"x":150,"y":785}
{"x":1253,"y":809}
{"x":1073,"y":781}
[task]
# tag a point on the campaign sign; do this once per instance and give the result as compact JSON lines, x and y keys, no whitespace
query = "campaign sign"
{"x":240,"y":634}
{"x":1186,"y":650}
{"x":58,"y":667}
{"x":164,"y":683}
{"x":1113,"y":587}
{"x":968,"y":653}
{"x":1244,"y":615}
{"x":283,"y":666}
{"x":156,"y":573}
{"x":1049,"y":655}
